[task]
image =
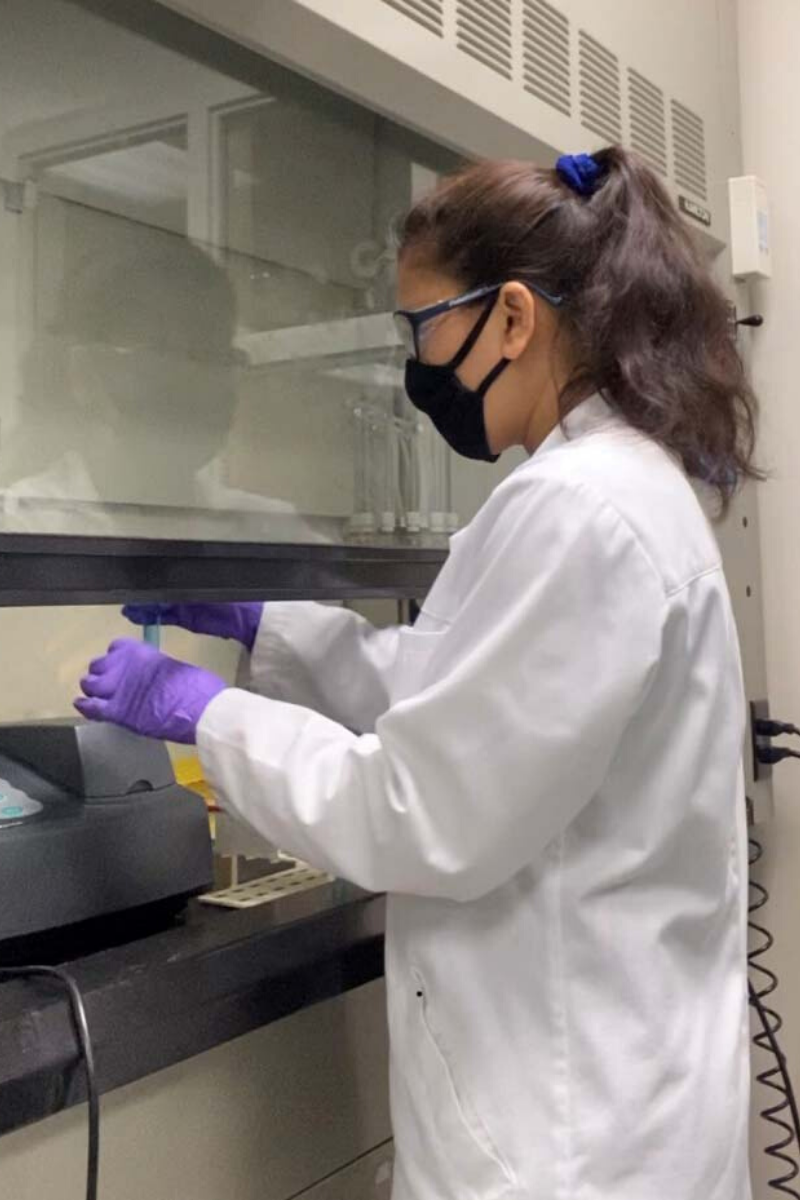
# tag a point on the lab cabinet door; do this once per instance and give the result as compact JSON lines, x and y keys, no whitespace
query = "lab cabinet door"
{"x":197,"y":302}
{"x":368,"y":1178}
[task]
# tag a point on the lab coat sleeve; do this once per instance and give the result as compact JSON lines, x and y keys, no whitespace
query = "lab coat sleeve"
{"x":524,"y":700}
{"x":328,"y":659}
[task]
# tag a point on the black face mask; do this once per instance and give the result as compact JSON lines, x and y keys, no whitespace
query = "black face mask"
{"x":456,"y":410}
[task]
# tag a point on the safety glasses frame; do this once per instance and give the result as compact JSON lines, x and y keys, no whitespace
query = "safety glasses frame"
{"x":409,"y":321}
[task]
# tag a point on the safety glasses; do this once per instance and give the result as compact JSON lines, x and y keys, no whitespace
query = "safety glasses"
{"x":409,"y":321}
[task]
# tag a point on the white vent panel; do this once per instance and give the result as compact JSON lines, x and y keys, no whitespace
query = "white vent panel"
{"x":546,"y":54}
{"x":689,"y":149}
{"x":483,"y":30}
{"x":647,"y":120}
{"x":601,"y":101}
{"x":427,"y":13}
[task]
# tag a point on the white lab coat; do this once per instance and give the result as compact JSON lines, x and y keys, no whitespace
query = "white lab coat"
{"x":549,"y":788}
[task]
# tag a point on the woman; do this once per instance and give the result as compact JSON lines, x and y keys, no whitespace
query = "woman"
{"x":548,"y":783}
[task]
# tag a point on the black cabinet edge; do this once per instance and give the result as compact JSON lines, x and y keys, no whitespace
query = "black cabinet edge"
{"x":171,"y":1015}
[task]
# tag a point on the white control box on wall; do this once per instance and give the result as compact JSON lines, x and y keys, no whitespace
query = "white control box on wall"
{"x":750,"y":239}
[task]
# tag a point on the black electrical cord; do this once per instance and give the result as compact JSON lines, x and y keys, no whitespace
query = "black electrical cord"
{"x":766,"y":727}
{"x":770,"y":755}
{"x":776,"y":1077}
{"x":85,"y":1045}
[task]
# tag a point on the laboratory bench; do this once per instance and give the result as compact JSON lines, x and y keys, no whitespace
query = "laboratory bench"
{"x":211,"y":976}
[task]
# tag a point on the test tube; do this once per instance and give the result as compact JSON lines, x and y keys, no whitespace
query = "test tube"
{"x":411,"y":477}
{"x":152,"y":634}
{"x":389,"y":472}
{"x":438,"y":458}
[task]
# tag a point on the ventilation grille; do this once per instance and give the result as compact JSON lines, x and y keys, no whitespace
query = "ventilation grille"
{"x":601,"y":105}
{"x":487,"y":30}
{"x":648,"y":120}
{"x":689,"y":149}
{"x":427,"y":13}
{"x":545,"y":54}
{"x":483,"y":30}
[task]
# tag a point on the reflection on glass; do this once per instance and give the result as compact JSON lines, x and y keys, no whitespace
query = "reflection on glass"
{"x":195,"y":297}
{"x":143,"y":176}
{"x":141,"y":357}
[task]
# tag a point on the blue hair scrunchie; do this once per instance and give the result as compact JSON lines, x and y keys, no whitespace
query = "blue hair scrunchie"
{"x":580,"y":172}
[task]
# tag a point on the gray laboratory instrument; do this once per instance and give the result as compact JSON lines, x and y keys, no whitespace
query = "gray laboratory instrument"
{"x":92,"y":825}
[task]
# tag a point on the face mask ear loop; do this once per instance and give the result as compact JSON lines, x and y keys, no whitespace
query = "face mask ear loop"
{"x":471,"y":339}
{"x":493,"y":375}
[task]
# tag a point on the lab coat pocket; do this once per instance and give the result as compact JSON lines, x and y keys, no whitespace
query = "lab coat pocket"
{"x":414,"y":653}
{"x":461,"y":1136}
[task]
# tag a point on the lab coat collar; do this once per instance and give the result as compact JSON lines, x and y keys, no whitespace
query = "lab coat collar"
{"x":589,"y":416}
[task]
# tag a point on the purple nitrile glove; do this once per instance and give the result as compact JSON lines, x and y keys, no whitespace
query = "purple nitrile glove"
{"x":237,"y":621}
{"x":136,"y":686}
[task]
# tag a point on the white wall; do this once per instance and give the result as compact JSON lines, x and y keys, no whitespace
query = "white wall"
{"x":46,"y":650}
{"x":770,"y":94}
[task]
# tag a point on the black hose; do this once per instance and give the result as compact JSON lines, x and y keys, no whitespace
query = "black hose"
{"x":78,"y":1013}
{"x":782,"y":1114}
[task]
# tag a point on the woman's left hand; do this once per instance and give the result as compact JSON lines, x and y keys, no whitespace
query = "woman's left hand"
{"x":136,"y":686}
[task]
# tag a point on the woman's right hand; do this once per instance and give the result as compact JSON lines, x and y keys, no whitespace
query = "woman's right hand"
{"x":237,"y":621}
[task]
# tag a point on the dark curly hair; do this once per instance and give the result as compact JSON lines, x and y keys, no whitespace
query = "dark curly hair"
{"x":647,"y":326}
